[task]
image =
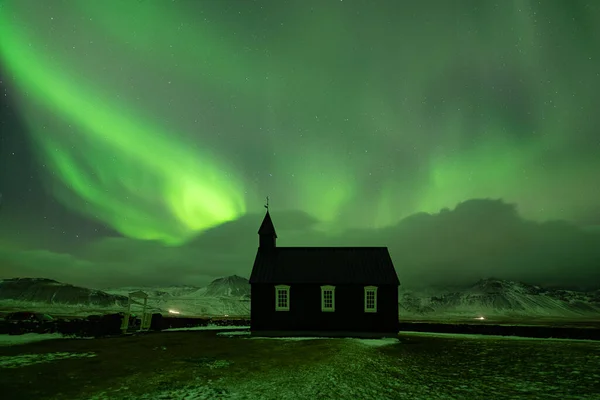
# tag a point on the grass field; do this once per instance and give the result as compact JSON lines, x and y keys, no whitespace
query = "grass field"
{"x":220,"y":365}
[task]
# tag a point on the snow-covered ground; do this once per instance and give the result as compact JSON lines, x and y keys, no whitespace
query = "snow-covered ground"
{"x":417,"y":366}
{"x":348,"y":375}
{"x":359,"y":370}
{"x":234,"y":333}
{"x":207,"y":328}
{"x":367,"y":342}
{"x":489,"y":337}
{"x":12,"y":340}
{"x":24,"y":360}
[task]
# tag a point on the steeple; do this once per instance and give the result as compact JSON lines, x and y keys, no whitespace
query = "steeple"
{"x":266,"y":233}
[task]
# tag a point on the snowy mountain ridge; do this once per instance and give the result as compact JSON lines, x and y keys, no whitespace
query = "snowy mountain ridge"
{"x":164,"y":292}
{"x":234,"y":286}
{"x":496,"y":297}
{"x":49,"y":291}
{"x":230,"y":296}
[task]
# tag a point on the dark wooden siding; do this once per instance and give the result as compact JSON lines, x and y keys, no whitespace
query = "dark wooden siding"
{"x":305,"y":309}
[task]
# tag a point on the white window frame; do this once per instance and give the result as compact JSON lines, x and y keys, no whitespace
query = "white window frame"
{"x":325,"y":289}
{"x":371,"y":289}
{"x":282,"y":289}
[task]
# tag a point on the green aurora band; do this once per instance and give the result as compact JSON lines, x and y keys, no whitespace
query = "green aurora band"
{"x":147,"y":170}
{"x":356,"y":124}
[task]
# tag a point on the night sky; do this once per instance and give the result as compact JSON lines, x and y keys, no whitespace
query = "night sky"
{"x":140,"y":138}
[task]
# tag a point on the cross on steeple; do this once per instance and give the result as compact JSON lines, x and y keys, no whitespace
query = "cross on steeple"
{"x":267,"y":205}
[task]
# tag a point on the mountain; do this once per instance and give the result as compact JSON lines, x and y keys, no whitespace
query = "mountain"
{"x":499,"y":298}
{"x":48,"y":291}
{"x":228,"y":296}
{"x":234,"y":286}
{"x":165,"y":292}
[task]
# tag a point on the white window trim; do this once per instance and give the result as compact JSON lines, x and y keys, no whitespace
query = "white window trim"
{"x":371,"y":289}
{"x":327,"y":288}
{"x":286,"y":289}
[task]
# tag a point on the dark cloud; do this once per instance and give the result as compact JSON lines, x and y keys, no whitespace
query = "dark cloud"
{"x":478,"y":239}
{"x":487,"y":238}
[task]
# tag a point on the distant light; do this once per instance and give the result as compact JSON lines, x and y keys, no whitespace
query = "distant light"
{"x":226,"y":315}
{"x":480,"y":318}
{"x":173,"y":312}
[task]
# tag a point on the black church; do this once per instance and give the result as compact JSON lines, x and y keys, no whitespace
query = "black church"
{"x":322,"y":291}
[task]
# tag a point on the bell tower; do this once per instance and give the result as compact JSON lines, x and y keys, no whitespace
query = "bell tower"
{"x":267,"y":236}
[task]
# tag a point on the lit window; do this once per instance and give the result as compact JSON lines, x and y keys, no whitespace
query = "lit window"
{"x":370,"y":298}
{"x":327,"y":298}
{"x":282,"y":298}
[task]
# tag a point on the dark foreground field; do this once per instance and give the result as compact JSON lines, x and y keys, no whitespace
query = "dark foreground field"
{"x":205,"y":365}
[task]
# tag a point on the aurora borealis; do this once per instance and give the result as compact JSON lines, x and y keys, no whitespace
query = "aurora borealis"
{"x":157,"y":127}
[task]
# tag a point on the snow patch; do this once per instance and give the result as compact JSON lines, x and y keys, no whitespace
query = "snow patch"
{"x":11,"y":340}
{"x":234,"y":333}
{"x":290,"y":338}
{"x":206,"y":328}
{"x":378,"y":342}
{"x":30,"y":359}
{"x":216,"y":364}
{"x":366,"y":342}
{"x":495,"y":337}
{"x":195,"y":392}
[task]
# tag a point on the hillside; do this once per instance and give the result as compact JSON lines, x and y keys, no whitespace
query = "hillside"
{"x":495,"y":297}
{"x":231,"y":286}
{"x":48,"y":291}
{"x":230,"y":296}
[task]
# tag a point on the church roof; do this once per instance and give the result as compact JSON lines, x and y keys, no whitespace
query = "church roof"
{"x":324,"y":265}
{"x":267,"y":227}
